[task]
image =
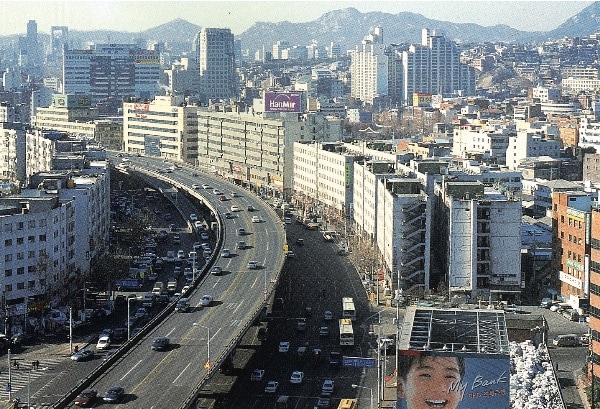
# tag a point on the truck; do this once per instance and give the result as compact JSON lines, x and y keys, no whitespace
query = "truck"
{"x":133,"y":284}
{"x":171,"y":285}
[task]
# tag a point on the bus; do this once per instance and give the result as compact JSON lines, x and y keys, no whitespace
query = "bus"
{"x":348,"y":310}
{"x":346,"y":332}
{"x":348,"y":404}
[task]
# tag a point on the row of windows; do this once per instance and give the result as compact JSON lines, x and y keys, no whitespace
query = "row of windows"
{"x":21,"y":240}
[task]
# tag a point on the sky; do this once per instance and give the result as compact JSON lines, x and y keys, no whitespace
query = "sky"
{"x":239,"y":15}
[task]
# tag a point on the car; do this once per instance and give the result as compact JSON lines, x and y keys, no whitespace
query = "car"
{"x":176,"y":239}
{"x":198,"y":225}
{"x":195,"y":186}
{"x":324,"y":331}
{"x":297,"y":377}
{"x":205,"y":186}
{"x":287,"y":220}
{"x":180,"y":254}
{"x":300,"y":242}
{"x":584,"y":339}
{"x":172,"y":227}
{"x":323,"y":402}
{"x":257,"y":375}
{"x":262,"y":334}
{"x":241,"y":245}
{"x":87,"y":397}
{"x":284,"y":346}
{"x":234,"y":194}
{"x":225,"y":253}
{"x":327,"y":388}
{"x":114,"y":394}
{"x":216,"y":271}
{"x":204,"y":236}
{"x":256,"y":219}
{"x":82,"y":355}
{"x":193,"y":217}
{"x":250,"y":208}
{"x":119,"y":334}
{"x":228,"y":215}
{"x":177,"y":271}
{"x":103,"y":342}
{"x":140,"y":313}
{"x":301,"y":325}
{"x":235,"y":208}
{"x":241,"y":231}
{"x":271,"y":387}
{"x":185,"y":289}
{"x":160,"y":344}
{"x":217,"y":192}
{"x":252,"y":265}
{"x":328,"y":315}
{"x":223,"y":198}
{"x":291,"y":254}
{"x":206,"y":300}
{"x":183,"y":305}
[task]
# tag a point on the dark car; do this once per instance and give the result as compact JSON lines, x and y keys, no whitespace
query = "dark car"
{"x":114,"y":394}
{"x":82,"y":355}
{"x":160,"y":344}
{"x":119,"y":334}
{"x":87,"y":397}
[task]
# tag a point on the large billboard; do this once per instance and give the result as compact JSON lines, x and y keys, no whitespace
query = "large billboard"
{"x":283,"y":102}
{"x":452,"y":380}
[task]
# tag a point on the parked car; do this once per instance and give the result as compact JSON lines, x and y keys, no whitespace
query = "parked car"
{"x":327,"y":388}
{"x":271,"y":387}
{"x":297,"y":377}
{"x":252,"y":265}
{"x":257,"y":375}
{"x":284,"y":346}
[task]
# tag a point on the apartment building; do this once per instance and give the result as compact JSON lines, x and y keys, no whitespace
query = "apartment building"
{"x":530,"y":144}
{"x":369,"y":69}
{"x":107,"y":71}
{"x":477,"y":247}
{"x":571,"y":225}
{"x":218,"y":77}
{"x":257,"y":148}
{"x":163,"y":127}
{"x":489,"y":141}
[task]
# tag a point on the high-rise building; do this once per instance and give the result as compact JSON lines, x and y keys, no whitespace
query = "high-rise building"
{"x":369,"y":69}
{"x":217,"y":64}
{"x":108,"y":71}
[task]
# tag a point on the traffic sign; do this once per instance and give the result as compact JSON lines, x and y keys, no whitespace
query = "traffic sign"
{"x":360,"y":362}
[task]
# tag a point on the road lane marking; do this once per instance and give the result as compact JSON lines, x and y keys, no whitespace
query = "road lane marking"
{"x":182,"y":372}
{"x":132,"y":368}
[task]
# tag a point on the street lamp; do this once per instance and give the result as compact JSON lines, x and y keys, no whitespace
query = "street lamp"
{"x":129,"y":299}
{"x":355,"y":386}
{"x":207,"y":364}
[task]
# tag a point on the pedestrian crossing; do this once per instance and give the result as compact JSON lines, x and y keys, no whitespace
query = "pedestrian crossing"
{"x":20,"y":378}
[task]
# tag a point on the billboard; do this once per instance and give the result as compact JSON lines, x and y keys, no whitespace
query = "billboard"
{"x":283,"y":102}
{"x":452,"y":380}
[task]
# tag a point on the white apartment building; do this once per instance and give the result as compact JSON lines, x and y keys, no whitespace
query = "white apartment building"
{"x":162,"y":128}
{"x":403,"y":233}
{"x":487,"y":140}
{"x":12,"y":154}
{"x":573,"y":86}
{"x":480,"y":241}
{"x":218,"y":77}
{"x":257,"y":149}
{"x":369,"y":68}
{"x":530,"y":144}
{"x":545,"y":94}
{"x":589,"y":132}
{"x":323,"y":173}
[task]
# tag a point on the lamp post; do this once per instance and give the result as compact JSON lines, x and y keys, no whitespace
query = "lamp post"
{"x":207,"y":364}
{"x":129,"y":299}
{"x":355,"y":386}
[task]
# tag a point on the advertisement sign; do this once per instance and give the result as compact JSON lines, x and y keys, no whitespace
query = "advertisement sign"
{"x":283,"y":102}
{"x":452,"y":380}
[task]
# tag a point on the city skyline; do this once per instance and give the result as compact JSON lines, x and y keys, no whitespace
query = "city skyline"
{"x":135,"y":16}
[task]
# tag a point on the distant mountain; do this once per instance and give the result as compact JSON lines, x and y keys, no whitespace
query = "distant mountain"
{"x":346,"y":27}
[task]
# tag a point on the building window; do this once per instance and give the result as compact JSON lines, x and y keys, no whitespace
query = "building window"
{"x":20,"y":285}
{"x":8,"y":272}
{"x":20,"y":270}
{"x":31,"y":284}
{"x":31,"y":239}
{"x":20,"y":240}
{"x":8,"y":288}
{"x":7,"y":242}
{"x":7,"y":258}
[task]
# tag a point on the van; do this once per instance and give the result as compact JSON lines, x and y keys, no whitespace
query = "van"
{"x":566,"y":340}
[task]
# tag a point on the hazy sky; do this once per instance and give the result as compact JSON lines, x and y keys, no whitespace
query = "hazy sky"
{"x":132,"y":16}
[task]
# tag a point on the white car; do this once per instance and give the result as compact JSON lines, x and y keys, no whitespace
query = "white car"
{"x":257,"y":375}
{"x":271,"y":387}
{"x":327,"y":388}
{"x":193,"y":217}
{"x":195,"y":186}
{"x":284,"y":346}
{"x":217,"y":192}
{"x":206,"y":300}
{"x":103,"y":342}
{"x":297,"y":377}
{"x":225,"y":253}
{"x":234,"y":194}
{"x":256,"y":219}
{"x":180,"y":254}
{"x":235,"y":208}
{"x":205,"y":186}
{"x":252,"y":265}
{"x":328,"y":315}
